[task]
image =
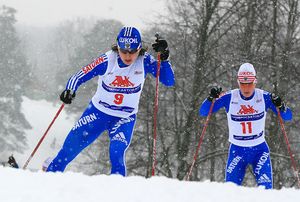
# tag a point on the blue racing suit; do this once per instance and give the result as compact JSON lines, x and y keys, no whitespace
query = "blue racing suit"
{"x":109,"y":114}
{"x":247,"y":148}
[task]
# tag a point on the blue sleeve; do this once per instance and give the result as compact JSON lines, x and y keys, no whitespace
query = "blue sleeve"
{"x":223,"y":101}
{"x":96,"y":68}
{"x":286,"y":114}
{"x":166,"y":72}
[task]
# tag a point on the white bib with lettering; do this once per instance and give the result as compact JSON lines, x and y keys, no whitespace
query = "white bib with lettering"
{"x":246,"y":119}
{"x":119,"y":89}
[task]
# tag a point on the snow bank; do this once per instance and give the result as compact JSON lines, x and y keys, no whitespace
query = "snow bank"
{"x":22,"y":185}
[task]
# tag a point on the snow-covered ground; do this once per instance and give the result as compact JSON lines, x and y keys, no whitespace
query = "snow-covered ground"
{"x":19,"y":185}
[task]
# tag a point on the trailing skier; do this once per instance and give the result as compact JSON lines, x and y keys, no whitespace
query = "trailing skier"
{"x":246,"y":110}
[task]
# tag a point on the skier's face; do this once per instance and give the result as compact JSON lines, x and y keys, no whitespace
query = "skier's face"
{"x":247,"y":89}
{"x":128,"y":57}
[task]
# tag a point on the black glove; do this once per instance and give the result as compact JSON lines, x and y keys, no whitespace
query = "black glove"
{"x":214,"y":93}
{"x":66,"y":96}
{"x":277,"y":101}
{"x":161,"y":45}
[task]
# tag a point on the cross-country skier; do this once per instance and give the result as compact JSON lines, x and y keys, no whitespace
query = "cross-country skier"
{"x":246,"y":110}
{"x":122,"y":73}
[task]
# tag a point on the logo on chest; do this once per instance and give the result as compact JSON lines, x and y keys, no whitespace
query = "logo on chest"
{"x":247,"y":109}
{"x":121,"y":81}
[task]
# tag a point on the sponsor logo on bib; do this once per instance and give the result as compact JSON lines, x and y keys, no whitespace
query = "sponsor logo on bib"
{"x":247,"y":110}
{"x":122,"y":81}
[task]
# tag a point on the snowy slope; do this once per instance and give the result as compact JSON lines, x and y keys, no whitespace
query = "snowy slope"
{"x":18,"y":185}
{"x":39,"y":114}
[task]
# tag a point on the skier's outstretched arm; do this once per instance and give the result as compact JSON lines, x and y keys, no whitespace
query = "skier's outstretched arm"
{"x":273,"y":101}
{"x":166,"y":72}
{"x":220,"y":101}
{"x":97,"y":67}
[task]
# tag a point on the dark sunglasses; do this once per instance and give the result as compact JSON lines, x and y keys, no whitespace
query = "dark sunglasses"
{"x":124,"y":51}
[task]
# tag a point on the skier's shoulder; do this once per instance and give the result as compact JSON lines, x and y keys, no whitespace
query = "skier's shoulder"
{"x":106,"y":56}
{"x":148,"y":58}
{"x":110,"y":53}
{"x":264,"y":92}
{"x":232,"y":91}
{"x":226,"y":94}
{"x":266,"y":95}
{"x":224,"y":97}
{"x":100,"y":60}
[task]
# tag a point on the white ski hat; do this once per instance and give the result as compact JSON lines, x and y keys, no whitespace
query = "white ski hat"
{"x":246,"y":73}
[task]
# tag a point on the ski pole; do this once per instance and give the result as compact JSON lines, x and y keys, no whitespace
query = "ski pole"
{"x":42,"y":138}
{"x":201,"y":139}
{"x":155,"y":111}
{"x":288,"y":146}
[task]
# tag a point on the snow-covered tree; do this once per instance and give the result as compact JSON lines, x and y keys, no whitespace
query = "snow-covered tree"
{"x":14,"y":77}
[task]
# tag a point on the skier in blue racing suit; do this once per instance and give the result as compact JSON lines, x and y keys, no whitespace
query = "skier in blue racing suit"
{"x":246,"y":110}
{"x":122,"y":72}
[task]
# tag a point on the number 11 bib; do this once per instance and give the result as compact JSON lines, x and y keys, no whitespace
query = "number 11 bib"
{"x":246,"y":119}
